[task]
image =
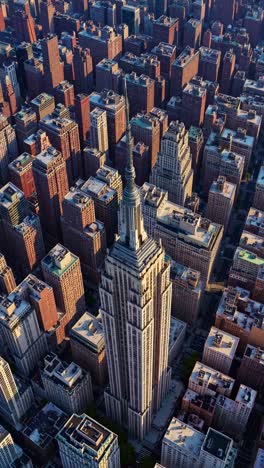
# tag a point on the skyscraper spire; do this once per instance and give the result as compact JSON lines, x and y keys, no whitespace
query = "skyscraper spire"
{"x":131,"y":228}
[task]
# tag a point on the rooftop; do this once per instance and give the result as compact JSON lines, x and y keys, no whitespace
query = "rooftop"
{"x":9,"y":195}
{"x":238,"y":136}
{"x":252,"y":242}
{"x":21,"y":163}
{"x":42,"y":99}
{"x":152,"y":195}
{"x":86,"y":435}
{"x":89,"y":331}
{"x":185,"y":437}
{"x":255,"y":353}
{"x":43,"y":427}
{"x":217,"y":444}
{"x":255,"y":220}
{"x":47,"y":157}
{"x":98,"y":188}
{"x":62,"y":373}
{"x":187,"y":275}
{"x":59,"y":260}
{"x":222,"y":342}
{"x":246,"y":396}
{"x":247,"y":256}
{"x":221,"y":186}
{"x":213,"y":380}
{"x":235,"y":305}
{"x":188,"y":226}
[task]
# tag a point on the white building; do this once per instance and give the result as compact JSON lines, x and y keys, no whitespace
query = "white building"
{"x":207,"y":381}
{"x":16,"y":397}
{"x":67,"y":385}
{"x":231,"y":416}
{"x":185,"y":447}
{"x":135,"y":305}
{"x":220,"y":350}
{"x":23,"y":338}
{"x":173,"y":169}
{"x":98,"y":131}
{"x":11,"y":455}
{"x":181,"y":445}
{"x":84,"y":442}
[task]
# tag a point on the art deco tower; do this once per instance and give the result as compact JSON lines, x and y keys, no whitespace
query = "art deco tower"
{"x":136,"y":302}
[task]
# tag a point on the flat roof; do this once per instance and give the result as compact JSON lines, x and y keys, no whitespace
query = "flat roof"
{"x":89,"y":330}
{"x":246,"y":255}
{"x":185,"y":437}
{"x":222,"y":342}
{"x":217,"y":444}
{"x":59,"y":260}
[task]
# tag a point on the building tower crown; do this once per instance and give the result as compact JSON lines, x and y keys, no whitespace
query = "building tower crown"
{"x":131,"y":228}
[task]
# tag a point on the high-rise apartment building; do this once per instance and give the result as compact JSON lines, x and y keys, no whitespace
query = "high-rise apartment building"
{"x":205,"y":380}
{"x":132,"y":397}
{"x":7,"y":280}
{"x":16,"y":397}
{"x":173,"y":169}
{"x":83,"y":70}
{"x":103,"y":42}
{"x":192,"y":33}
{"x":187,"y":290}
{"x":165,"y":29}
{"x":220,"y":162}
{"x":112,"y":178}
{"x":8,"y":147}
{"x":183,"y":70}
{"x":251,"y":370}
{"x":68,"y":386}
{"x":21,"y":174}
{"x":235,"y":302}
{"x":228,"y":69}
{"x":188,"y":238}
{"x":82,"y":116}
{"x":21,"y":236}
{"x":83,"y":234}
{"x":88,"y":346}
{"x":141,"y":92}
{"x":61,"y":270}
{"x":63,"y":134}
{"x":93,"y":159}
{"x":209,"y":63}
{"x":105,"y":203}
{"x":98,"y":131}
{"x":49,"y":170}
{"x":10,"y":453}
{"x":47,"y":11}
{"x":220,"y":350}
{"x":25,"y":125}
{"x":114,"y":105}
{"x":64,"y":93}
{"x":25,"y":343}
{"x":104,"y":74}
{"x":43,"y":104}
{"x":185,"y":447}
{"x":131,"y":17}
{"x":83,"y":441}
{"x":53,"y":67}
{"x":146,"y":128}
{"x":220,"y":201}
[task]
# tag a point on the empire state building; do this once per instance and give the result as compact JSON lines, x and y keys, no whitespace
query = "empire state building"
{"x":136,"y":305}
